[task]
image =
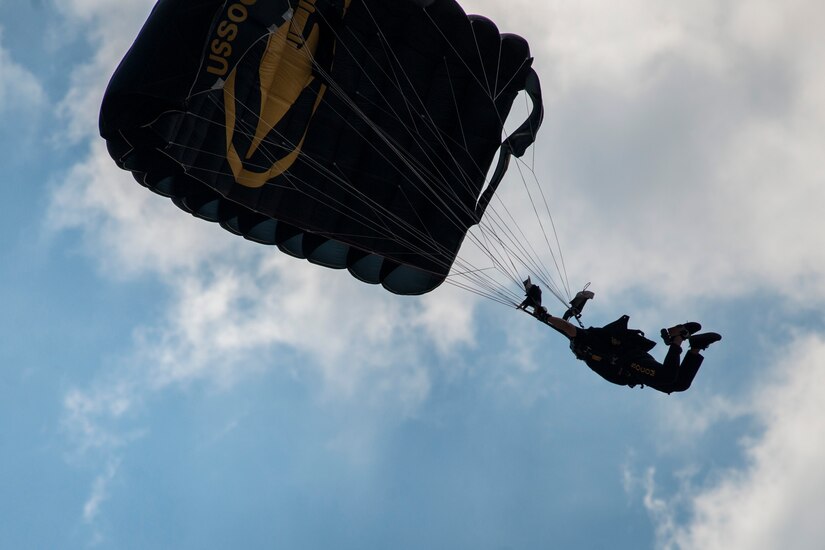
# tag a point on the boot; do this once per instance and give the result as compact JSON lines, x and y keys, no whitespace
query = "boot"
{"x":684,"y":330}
{"x":702,"y":341}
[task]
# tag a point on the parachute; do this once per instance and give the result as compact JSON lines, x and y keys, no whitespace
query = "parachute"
{"x":356,"y":134}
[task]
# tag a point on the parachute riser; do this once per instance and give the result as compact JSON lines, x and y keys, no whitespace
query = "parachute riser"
{"x":517,"y":143}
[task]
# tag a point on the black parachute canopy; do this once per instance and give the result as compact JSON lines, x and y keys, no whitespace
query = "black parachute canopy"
{"x":352,"y":133}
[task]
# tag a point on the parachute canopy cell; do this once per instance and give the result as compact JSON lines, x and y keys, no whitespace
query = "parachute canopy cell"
{"x":354,"y":133}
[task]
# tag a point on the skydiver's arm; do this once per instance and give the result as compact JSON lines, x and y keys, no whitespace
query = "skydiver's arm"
{"x":561,"y":325}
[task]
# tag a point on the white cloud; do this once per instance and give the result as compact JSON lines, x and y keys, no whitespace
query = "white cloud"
{"x":681,"y":144}
{"x":775,"y":499}
{"x":99,"y":492}
{"x":87,"y":412}
{"x":233,"y":300}
{"x":112,"y":27}
{"x":20,"y":89}
{"x":124,"y":223}
{"x":686,"y":159}
{"x":683,"y":421}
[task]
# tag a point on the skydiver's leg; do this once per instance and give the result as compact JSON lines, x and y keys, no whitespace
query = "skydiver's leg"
{"x":659,"y":376}
{"x":693,"y":359}
{"x":670,"y":366}
{"x":688,"y":369}
{"x":684,"y":372}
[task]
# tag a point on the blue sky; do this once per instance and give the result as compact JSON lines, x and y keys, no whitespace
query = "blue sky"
{"x":164,"y":384}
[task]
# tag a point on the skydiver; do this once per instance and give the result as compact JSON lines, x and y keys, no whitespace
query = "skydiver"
{"x":620,"y":355}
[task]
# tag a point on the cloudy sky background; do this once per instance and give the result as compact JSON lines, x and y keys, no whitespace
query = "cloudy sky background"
{"x":164,"y":384}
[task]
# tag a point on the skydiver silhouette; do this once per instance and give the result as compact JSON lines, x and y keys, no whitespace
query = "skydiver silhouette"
{"x":620,"y":355}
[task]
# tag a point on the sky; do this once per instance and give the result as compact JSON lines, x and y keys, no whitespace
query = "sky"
{"x":164,"y":384}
